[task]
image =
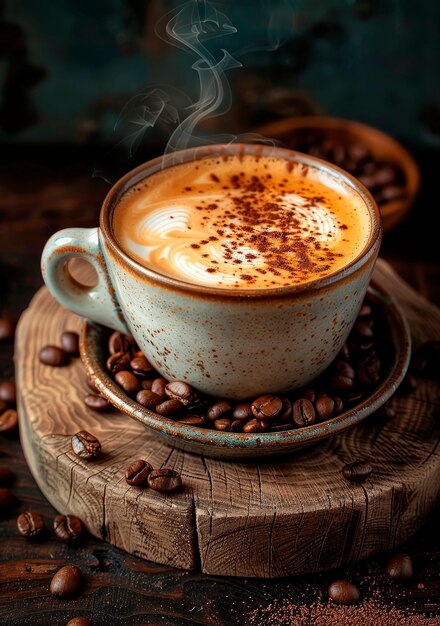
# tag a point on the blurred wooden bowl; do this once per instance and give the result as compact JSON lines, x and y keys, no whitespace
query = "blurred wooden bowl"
{"x":381,"y":146}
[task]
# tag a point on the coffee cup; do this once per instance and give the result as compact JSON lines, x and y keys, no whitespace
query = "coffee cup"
{"x":239,"y":268}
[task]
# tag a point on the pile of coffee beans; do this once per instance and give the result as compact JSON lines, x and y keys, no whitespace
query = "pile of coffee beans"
{"x":357,"y":369}
{"x":383,"y":178}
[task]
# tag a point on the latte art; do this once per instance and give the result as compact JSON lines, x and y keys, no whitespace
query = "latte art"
{"x":242,"y":222}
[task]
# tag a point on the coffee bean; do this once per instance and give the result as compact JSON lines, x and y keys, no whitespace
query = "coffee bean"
{"x":344,"y":353}
{"x":242,"y":411}
{"x":97,"y":402}
{"x":324,"y":407}
{"x":343,"y":592}
{"x":6,"y":500}
{"x":148,"y":399}
{"x":137,"y":473}
{"x":128,"y":382}
{"x":3,"y":406}
{"x":303,"y":412}
{"x":91,"y":385}
{"x":7,"y":476}
{"x":267,"y":407}
{"x":178,"y":390}
{"x":362,"y":336}
{"x":223,"y":423}
{"x":165,"y":480}
{"x":118,"y":362}
{"x":285,"y":414}
{"x":68,"y":528}
{"x":357,"y":472}
{"x":70,"y":342}
{"x":368,"y":372}
{"x":307,"y":394}
{"x":366,"y":311}
{"x":253,"y":426}
{"x":194,"y":420}
{"x":400,"y":566}
{"x":53,"y":356}
{"x":8,"y":421}
{"x":341,"y":368}
{"x":79,"y":621}
{"x":386,"y":412}
{"x":66,"y":582}
{"x":119,"y":342}
{"x":85,"y":445}
{"x":277,"y":428}
{"x":142,"y":367}
{"x":236,"y":426}
{"x":30,"y":525}
{"x":146,"y":383}
{"x":390,"y":193}
{"x":354,"y":396}
{"x":218,"y":410}
{"x":340,"y":384}
{"x":338,"y":406}
{"x":7,"y":328}
{"x":169,"y":408}
{"x":8,"y":392}
{"x":158,"y":386}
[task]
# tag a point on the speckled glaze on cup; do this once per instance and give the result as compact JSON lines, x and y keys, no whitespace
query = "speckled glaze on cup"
{"x":236,"y":343}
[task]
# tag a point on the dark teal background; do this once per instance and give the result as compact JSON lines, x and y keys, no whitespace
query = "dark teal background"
{"x":67,"y":67}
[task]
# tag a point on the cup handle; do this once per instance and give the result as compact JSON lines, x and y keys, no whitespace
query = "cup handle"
{"x":97,"y":303}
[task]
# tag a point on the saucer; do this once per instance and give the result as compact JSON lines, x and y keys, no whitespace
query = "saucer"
{"x":220,"y":444}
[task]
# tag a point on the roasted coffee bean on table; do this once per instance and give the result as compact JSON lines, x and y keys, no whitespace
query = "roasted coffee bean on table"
{"x":67,"y":582}
{"x":8,"y":392}
{"x":357,"y":369}
{"x":7,"y":328}
{"x":399,"y":566}
{"x":343,"y":592}
{"x":137,"y":473}
{"x":165,"y":480}
{"x":8,"y":420}
{"x":30,"y":525}
{"x":357,"y":472}
{"x":85,"y":445}
{"x":53,"y":356}
{"x":67,"y":528}
{"x":79,"y":621}
{"x":70,"y":342}
{"x":96,"y":402}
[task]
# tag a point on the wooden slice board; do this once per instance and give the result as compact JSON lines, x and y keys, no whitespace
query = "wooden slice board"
{"x":269,"y":519}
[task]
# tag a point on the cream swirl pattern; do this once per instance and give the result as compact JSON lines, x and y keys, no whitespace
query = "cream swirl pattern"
{"x":256,"y":222}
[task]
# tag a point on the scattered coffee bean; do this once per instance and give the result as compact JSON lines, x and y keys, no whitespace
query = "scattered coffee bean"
{"x":53,"y":356}
{"x":91,"y":385}
{"x":67,"y":528}
{"x":97,"y":402}
{"x":7,"y":328}
{"x":128,"y":381}
{"x":142,"y":367}
{"x":119,"y":342}
{"x":169,"y":408}
{"x":85,"y":445}
{"x":80,"y":620}
{"x":8,"y":421}
{"x":6,"y":500}
{"x":178,"y":390}
{"x":70,"y":342}
{"x":218,"y":410}
{"x":400,"y":566}
{"x":66,"y":582}
{"x":165,"y":480}
{"x":118,"y":362}
{"x":242,"y":411}
{"x":137,"y":473}
{"x":7,"y":476}
{"x":148,"y":399}
{"x":357,"y":472}
{"x":324,"y":407}
{"x":386,"y":412}
{"x":30,"y":525}
{"x":343,"y":592}
{"x":8,"y":392}
{"x":267,"y":407}
{"x":303,"y":412}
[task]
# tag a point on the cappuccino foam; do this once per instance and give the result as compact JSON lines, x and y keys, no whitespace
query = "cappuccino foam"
{"x":242,"y":221}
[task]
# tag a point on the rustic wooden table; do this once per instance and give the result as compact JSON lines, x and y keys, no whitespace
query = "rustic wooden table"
{"x":42,"y":191}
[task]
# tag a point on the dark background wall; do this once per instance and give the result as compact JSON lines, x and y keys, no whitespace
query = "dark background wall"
{"x":68,"y":67}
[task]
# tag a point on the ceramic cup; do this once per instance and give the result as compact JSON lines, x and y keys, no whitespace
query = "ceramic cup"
{"x":233,"y":343}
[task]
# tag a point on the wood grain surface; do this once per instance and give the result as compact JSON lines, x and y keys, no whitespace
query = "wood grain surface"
{"x":239,"y":519}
